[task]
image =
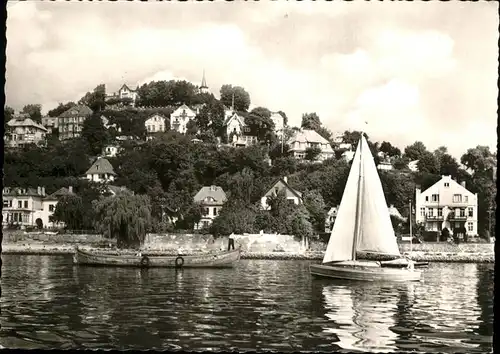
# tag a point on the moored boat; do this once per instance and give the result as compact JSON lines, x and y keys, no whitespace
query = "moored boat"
{"x":201,"y":260}
{"x":363,"y":225}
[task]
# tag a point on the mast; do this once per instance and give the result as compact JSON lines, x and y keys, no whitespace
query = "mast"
{"x":411,"y":236}
{"x":358,"y":201}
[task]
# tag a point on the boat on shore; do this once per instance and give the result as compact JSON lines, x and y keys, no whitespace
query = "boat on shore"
{"x":224,"y":259}
{"x":363,"y":225}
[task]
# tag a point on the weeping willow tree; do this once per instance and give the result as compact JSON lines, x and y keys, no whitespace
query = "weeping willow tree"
{"x":125,"y":217}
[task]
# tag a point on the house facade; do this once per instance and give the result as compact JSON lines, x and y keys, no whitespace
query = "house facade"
{"x":154,"y":124}
{"x":101,"y":171}
{"x":107,"y":125}
{"x":180,"y":118}
{"x":384,"y":165}
{"x":304,"y":139}
{"x":110,"y":150}
{"x":211,"y":199}
{"x":281,"y":184}
{"x":238,"y":134}
{"x":413,"y":165}
{"x":448,"y":204}
{"x":22,"y":131}
{"x":125,"y":92}
{"x":29,"y":207}
{"x":279,"y":122}
{"x":50,"y":122}
{"x":70,"y":122}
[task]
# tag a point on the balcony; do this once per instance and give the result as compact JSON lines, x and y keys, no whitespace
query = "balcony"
{"x":433,"y":217}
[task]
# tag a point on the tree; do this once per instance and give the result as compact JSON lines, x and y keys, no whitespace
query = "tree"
{"x":95,"y":100}
{"x":241,"y":97}
{"x":415,"y":150}
{"x":34,"y":111}
{"x":299,"y":224}
{"x":427,"y":162}
{"x":69,"y":209}
{"x":260,"y":126}
{"x":261,"y":112}
{"x":125,"y":217}
{"x":315,"y":205}
{"x":234,"y":217}
{"x":480,"y":160}
{"x":280,"y":209}
{"x":448,"y":165}
{"x":61,"y":108}
{"x":94,"y":132}
{"x":312,"y":153}
{"x":310,"y":121}
{"x":389,"y":150}
{"x":285,"y":118}
{"x":8,"y":114}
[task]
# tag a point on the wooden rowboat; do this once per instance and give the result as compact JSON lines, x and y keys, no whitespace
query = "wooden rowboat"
{"x":200,"y":260}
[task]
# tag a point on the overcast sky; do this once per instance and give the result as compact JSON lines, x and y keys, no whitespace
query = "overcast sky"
{"x":412,"y":71}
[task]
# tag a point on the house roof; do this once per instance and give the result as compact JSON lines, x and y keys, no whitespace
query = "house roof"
{"x":128,"y":87}
{"x":79,"y":110}
{"x":101,"y":166}
{"x":22,"y":121}
{"x":234,"y":116}
{"x":294,"y":191}
{"x":215,"y":192}
{"x":18,"y":191}
{"x":445,"y":178}
{"x":181,"y":107}
{"x":308,"y":136}
{"x":156,"y":114}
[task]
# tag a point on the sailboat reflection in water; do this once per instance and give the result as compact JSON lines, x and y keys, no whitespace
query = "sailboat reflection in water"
{"x":363,"y":225}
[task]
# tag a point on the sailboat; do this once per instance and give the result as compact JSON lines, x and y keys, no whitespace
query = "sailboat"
{"x":363,"y":225}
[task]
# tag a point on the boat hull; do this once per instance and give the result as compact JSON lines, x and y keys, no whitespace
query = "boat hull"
{"x":364,"y":271}
{"x":206,"y":260}
{"x":403,"y":263}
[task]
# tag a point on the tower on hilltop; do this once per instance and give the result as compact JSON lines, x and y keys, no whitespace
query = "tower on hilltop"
{"x":203,"y":87}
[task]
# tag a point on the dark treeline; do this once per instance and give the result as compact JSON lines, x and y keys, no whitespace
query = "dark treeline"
{"x":171,"y":168}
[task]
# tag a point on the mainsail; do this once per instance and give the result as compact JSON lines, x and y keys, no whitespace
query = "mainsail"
{"x":376,"y":233}
{"x":342,"y":237}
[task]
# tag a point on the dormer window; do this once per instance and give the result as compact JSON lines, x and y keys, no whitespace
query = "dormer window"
{"x":446,"y":184}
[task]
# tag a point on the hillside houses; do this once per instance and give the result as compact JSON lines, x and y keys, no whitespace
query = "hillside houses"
{"x":124,"y":93}
{"x":155,"y":123}
{"x":22,"y":130}
{"x":101,"y":171}
{"x":180,"y":118}
{"x":70,"y":123}
{"x":304,"y":139}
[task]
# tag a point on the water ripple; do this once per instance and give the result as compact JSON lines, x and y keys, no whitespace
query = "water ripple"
{"x":260,"y":305}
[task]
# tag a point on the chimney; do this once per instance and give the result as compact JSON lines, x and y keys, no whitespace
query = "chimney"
{"x":43,"y":191}
{"x":70,"y":189}
{"x":285,"y":179}
{"x":39,"y":190}
{"x":462,"y":184}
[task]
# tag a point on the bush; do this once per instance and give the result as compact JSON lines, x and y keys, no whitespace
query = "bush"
{"x":431,"y":236}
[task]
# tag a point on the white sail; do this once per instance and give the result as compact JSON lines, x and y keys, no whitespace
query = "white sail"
{"x":342,"y":237}
{"x":377,"y":233}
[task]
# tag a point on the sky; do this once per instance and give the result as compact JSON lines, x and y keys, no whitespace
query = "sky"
{"x":401,"y":71}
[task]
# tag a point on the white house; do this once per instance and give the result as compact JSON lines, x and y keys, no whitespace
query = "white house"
{"x":447,"y":204}
{"x":384,"y":165}
{"x":101,"y":171}
{"x":306,"y":138}
{"x":107,"y":125}
{"x":279,"y":122}
{"x":125,"y":92}
{"x":110,"y":150}
{"x":348,"y":155}
{"x":211,"y":199}
{"x":331,"y":215}
{"x":30,"y":207}
{"x":155,"y":124}
{"x":22,"y":130}
{"x":281,"y":184}
{"x":50,"y":122}
{"x":180,"y":118}
{"x":413,"y":165}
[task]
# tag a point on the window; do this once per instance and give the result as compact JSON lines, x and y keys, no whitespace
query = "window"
{"x":470,"y":226}
{"x":462,"y":212}
{"x":6,"y":203}
{"x":427,"y":198}
{"x":26,"y":204}
{"x":51,"y":207}
{"x":457,"y":225}
{"x":207,"y":211}
{"x":19,"y":204}
{"x":431,"y":212}
{"x":215,"y":211}
{"x":466,"y":198}
{"x":435,"y":197}
{"x":457,"y":198}
{"x":440,"y":211}
{"x":446,"y":184}
{"x":422,"y":211}
{"x":471,"y":212}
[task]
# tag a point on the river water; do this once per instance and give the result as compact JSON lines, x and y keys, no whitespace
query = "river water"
{"x":260,"y":305}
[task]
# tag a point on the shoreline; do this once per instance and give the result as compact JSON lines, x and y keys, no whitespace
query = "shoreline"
{"x":446,"y":257}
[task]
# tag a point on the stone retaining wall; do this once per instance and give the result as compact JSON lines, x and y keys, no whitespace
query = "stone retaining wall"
{"x":11,"y":237}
